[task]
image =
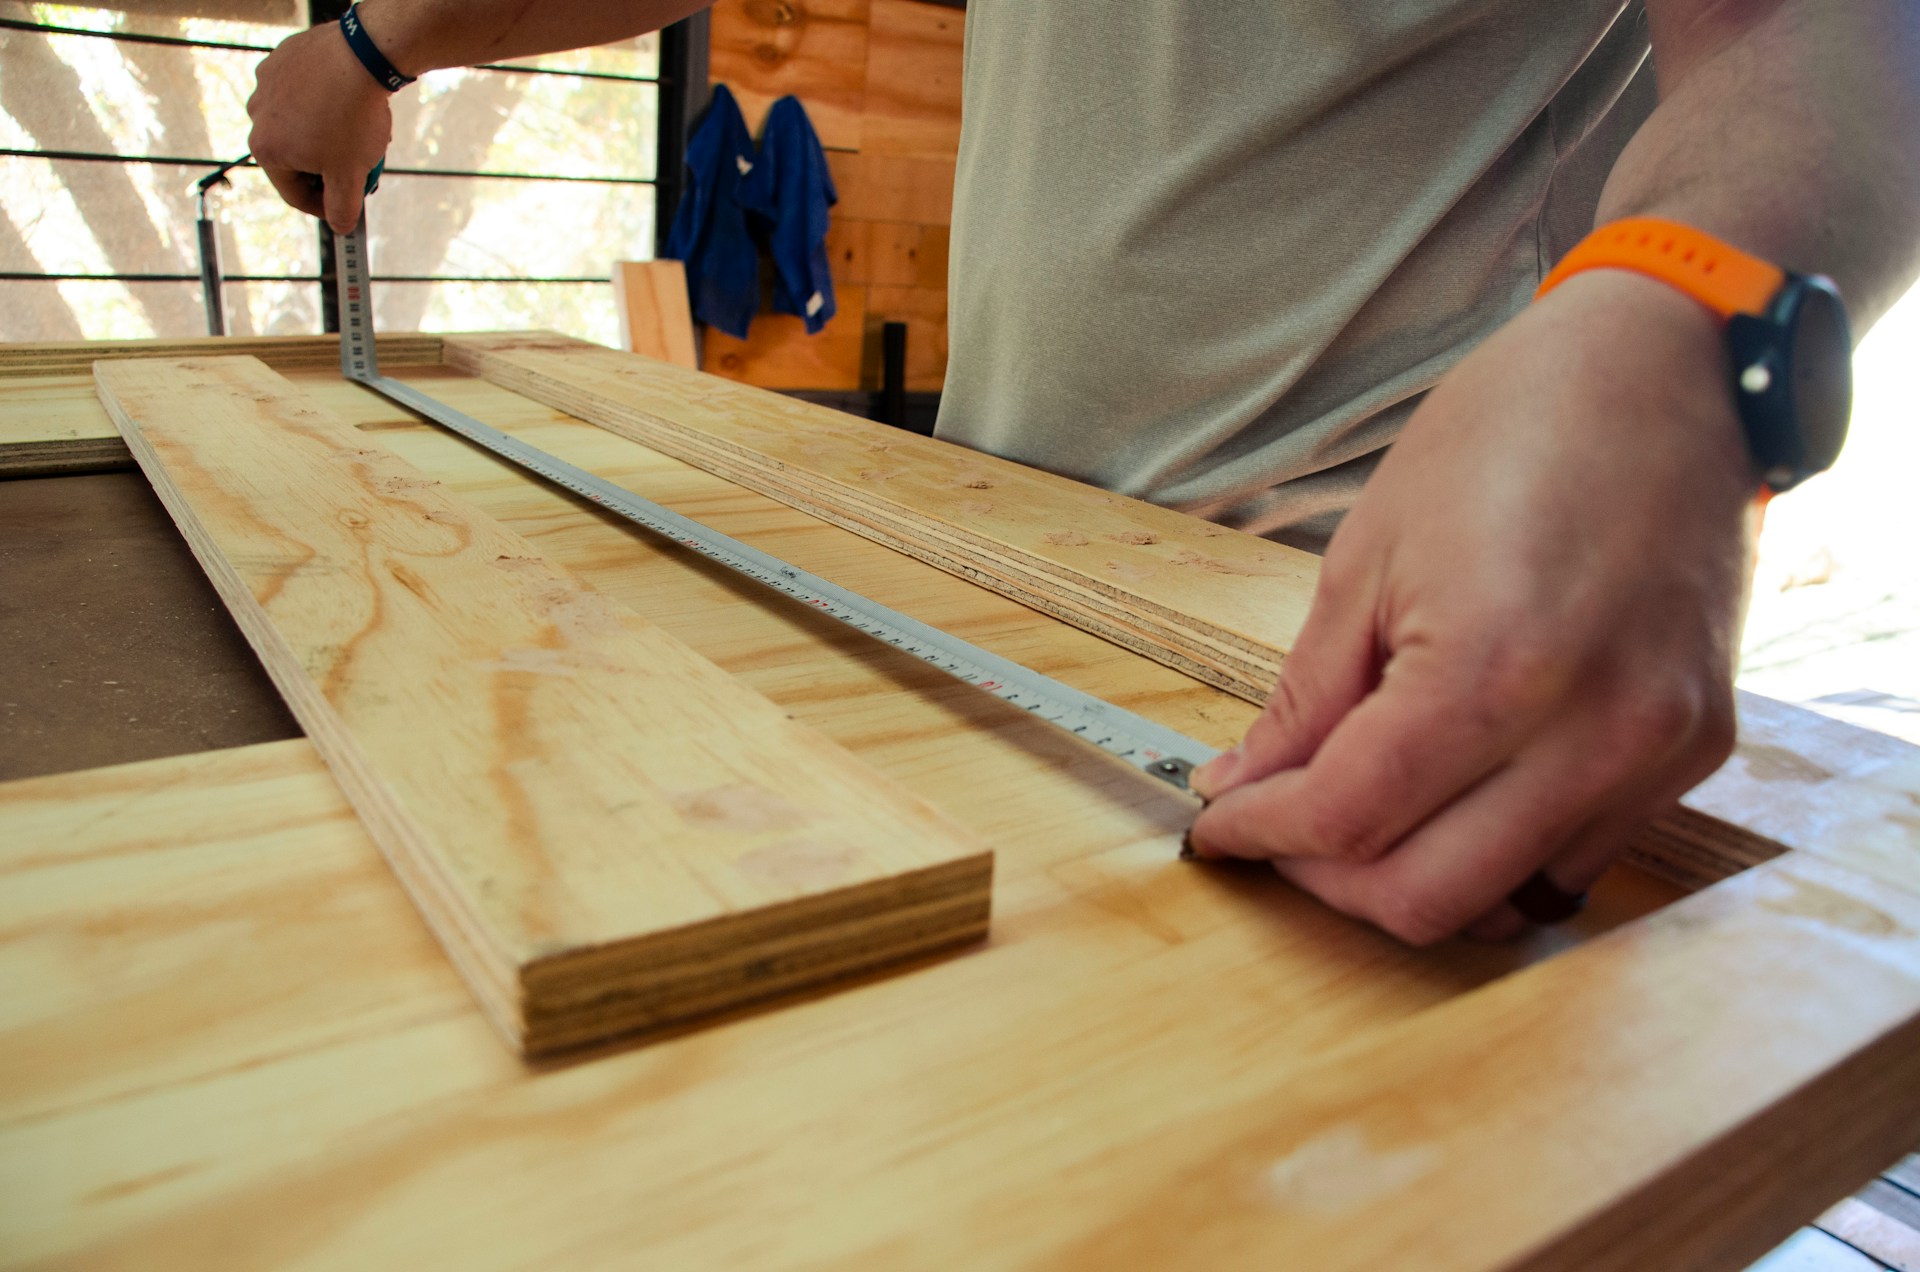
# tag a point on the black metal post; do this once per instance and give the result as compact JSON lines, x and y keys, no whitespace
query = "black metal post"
{"x":893,"y":374}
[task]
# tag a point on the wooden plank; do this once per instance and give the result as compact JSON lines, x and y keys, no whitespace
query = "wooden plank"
{"x":881,"y":187}
{"x":886,"y":253}
{"x":1155,"y":580}
{"x":656,"y":317}
{"x":913,"y":79}
{"x":815,"y":50}
{"x":779,"y":354}
{"x":1517,"y":1127}
{"x":1215,"y":603}
{"x":1664,"y":1097}
{"x":605,"y":830}
{"x":51,"y":424}
{"x":284,"y":353}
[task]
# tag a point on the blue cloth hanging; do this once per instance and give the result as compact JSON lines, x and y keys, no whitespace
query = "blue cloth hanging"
{"x":710,"y":227}
{"x":790,"y":189}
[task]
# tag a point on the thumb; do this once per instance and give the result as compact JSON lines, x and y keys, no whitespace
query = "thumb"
{"x":342,"y":199}
{"x":1332,"y":666}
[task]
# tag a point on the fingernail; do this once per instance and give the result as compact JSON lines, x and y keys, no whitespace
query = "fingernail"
{"x":1206,"y":780}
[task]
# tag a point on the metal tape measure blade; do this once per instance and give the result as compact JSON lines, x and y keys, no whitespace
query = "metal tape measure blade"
{"x":1151,"y":747}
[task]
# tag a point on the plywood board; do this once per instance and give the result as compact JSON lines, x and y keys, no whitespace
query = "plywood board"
{"x":913,"y":79}
{"x":656,"y":316}
{"x":886,"y":253}
{"x":882,"y":187}
{"x":404,"y":349}
{"x":50,"y":422}
{"x":606,"y":831}
{"x":1215,"y":603}
{"x":1674,"y":1095}
{"x":815,"y":50}
{"x":780,"y":354}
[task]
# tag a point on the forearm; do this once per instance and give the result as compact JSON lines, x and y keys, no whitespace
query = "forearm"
{"x":1792,"y":130}
{"x":426,"y":35}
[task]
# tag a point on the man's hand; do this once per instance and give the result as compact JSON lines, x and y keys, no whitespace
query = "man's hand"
{"x":1523,"y":641}
{"x":320,"y":124}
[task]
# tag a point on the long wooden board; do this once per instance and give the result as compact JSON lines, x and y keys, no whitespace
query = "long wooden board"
{"x":1676,"y":1094}
{"x":1218,"y":604}
{"x":606,"y":831}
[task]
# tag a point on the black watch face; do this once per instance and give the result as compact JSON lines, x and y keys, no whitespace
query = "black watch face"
{"x":1820,"y":357}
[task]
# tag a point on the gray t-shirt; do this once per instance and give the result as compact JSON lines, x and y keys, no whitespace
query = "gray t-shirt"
{"x":1211,"y":252}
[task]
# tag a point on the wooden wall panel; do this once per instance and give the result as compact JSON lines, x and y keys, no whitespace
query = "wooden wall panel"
{"x":881,"y":81}
{"x":925,"y":313}
{"x":815,"y":50}
{"x":913,"y":79}
{"x":778,"y":350}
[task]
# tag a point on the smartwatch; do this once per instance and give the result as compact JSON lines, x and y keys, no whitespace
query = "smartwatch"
{"x":1792,"y":351}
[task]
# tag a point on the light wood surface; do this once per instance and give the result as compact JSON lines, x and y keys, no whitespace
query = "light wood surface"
{"x":1215,"y":603}
{"x":50,"y":422}
{"x":606,"y":831}
{"x":656,"y":317}
{"x":286,"y":353}
{"x":914,"y":55}
{"x":815,"y":50}
{"x":226,"y":1040}
{"x":778,"y":351}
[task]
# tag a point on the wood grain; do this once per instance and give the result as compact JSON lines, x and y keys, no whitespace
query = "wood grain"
{"x":51,"y":424}
{"x":779,"y":352}
{"x":1214,"y":603}
{"x":605,"y":830}
{"x":223,"y":1044}
{"x":913,"y":79}
{"x":882,"y":187}
{"x":815,"y":50}
{"x":925,"y":312}
{"x":656,"y":316}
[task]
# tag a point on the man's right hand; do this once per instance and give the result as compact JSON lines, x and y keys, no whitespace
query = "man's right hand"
{"x":320,"y":124}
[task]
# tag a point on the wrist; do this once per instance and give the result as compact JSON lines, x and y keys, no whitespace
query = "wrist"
{"x":391,"y":33}
{"x":1643,"y":330}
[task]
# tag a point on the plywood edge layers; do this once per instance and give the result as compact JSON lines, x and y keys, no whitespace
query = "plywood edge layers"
{"x":873,"y":877}
{"x":283,"y":353}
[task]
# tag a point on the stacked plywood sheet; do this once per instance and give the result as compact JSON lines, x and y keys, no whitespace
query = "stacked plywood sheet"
{"x":1219,"y":605}
{"x":606,"y":831}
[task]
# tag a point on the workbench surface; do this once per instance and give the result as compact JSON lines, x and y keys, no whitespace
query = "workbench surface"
{"x":227,"y":1039}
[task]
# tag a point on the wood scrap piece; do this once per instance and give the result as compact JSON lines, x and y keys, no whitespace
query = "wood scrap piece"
{"x":605,"y":830}
{"x":656,"y":317}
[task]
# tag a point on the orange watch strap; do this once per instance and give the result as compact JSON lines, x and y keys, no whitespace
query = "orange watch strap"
{"x":1723,"y":278}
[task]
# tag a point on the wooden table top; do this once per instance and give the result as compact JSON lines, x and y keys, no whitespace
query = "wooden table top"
{"x":227,"y":1039}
